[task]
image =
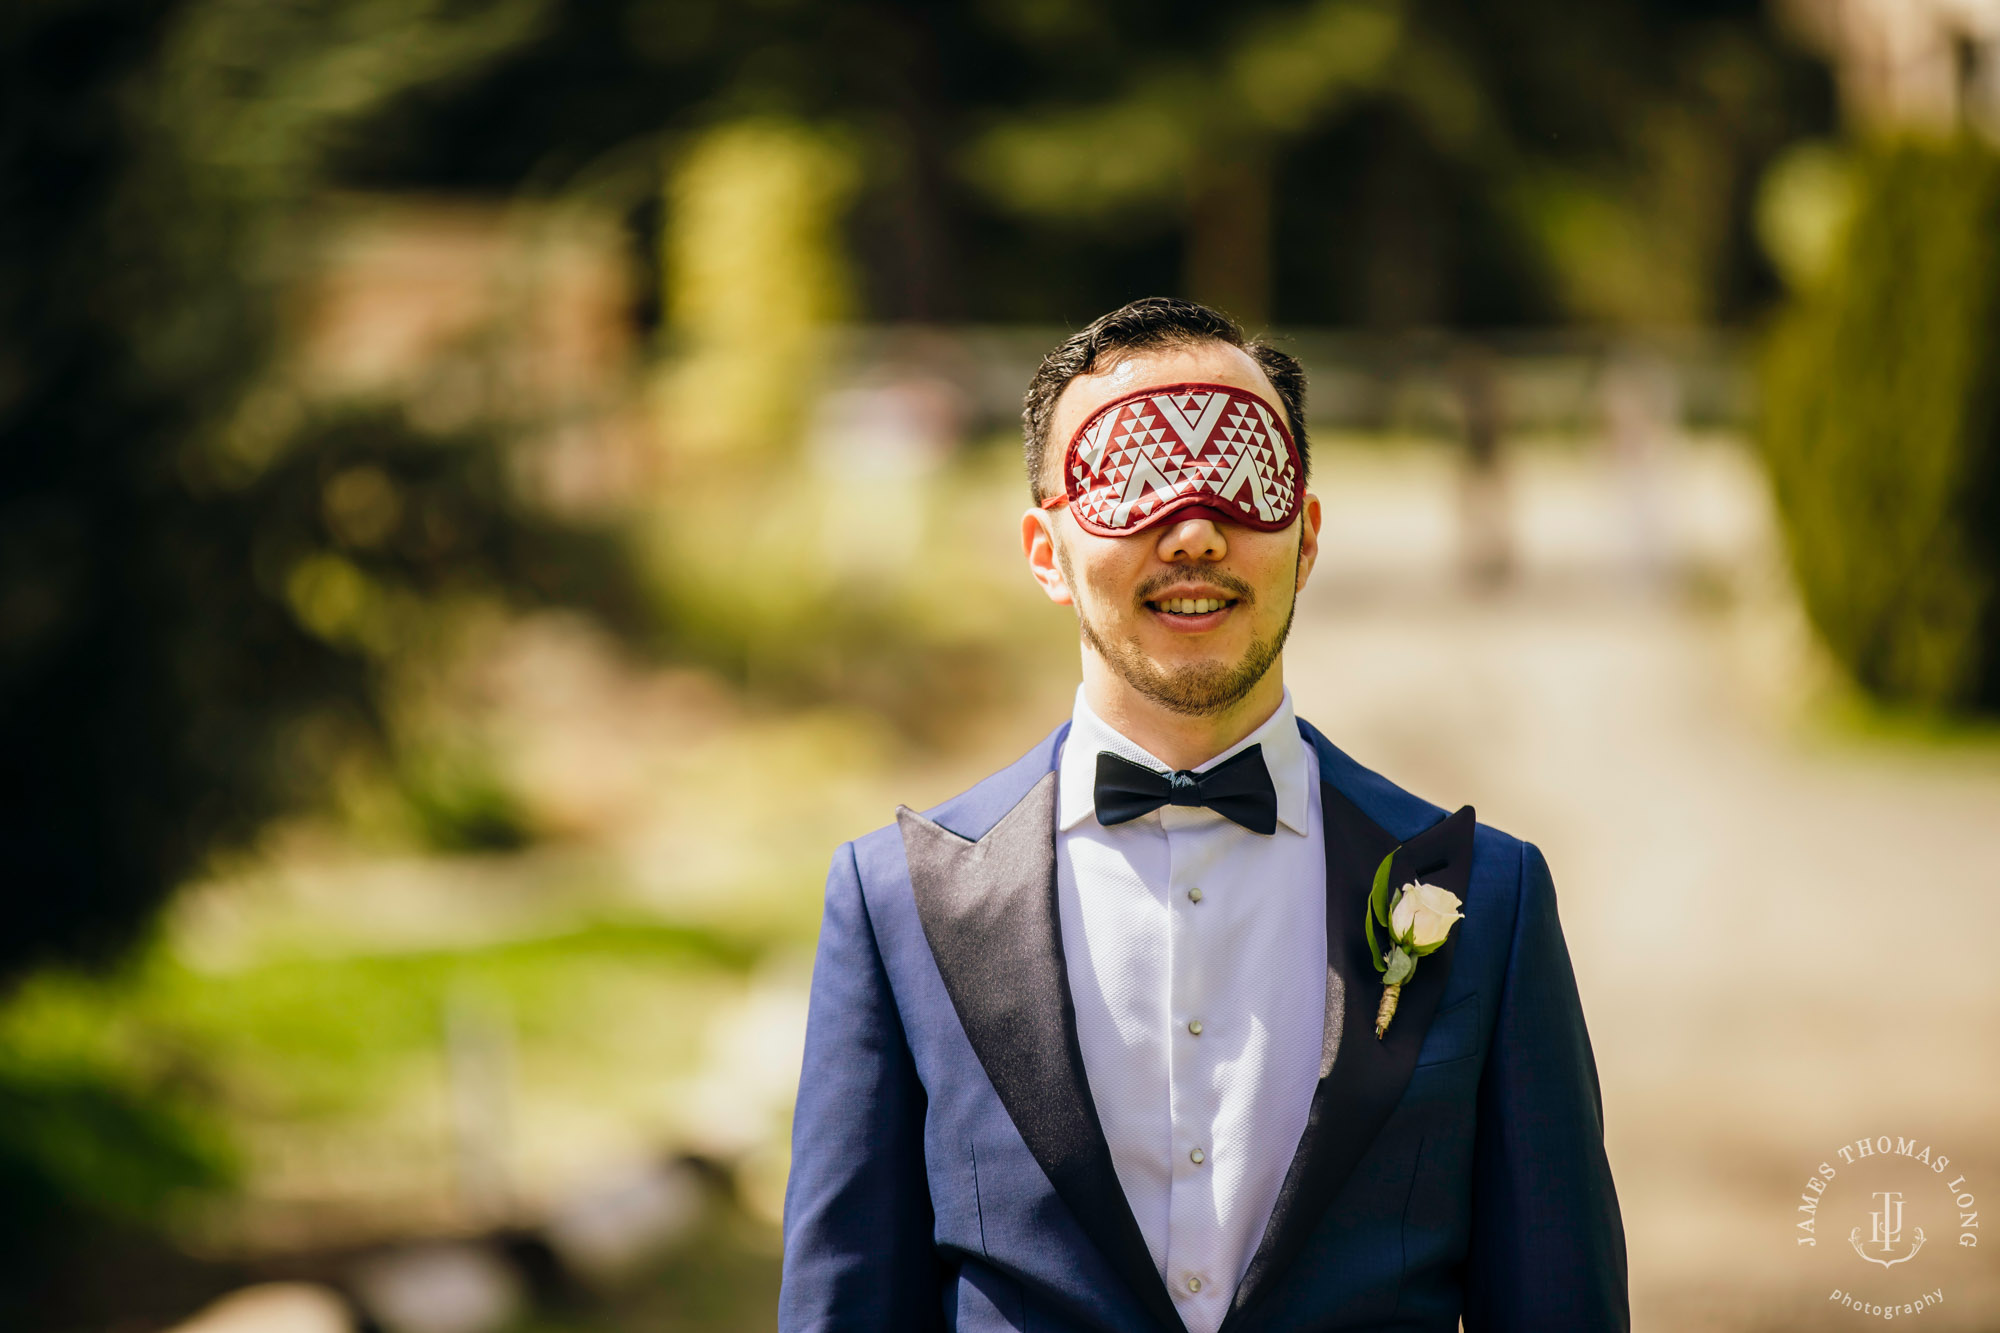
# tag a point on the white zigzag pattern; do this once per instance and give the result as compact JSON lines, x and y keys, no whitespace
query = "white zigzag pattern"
{"x":1154,"y":450}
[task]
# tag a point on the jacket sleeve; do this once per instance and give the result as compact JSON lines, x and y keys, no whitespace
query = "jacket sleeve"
{"x":1548,"y":1248}
{"x":858,"y":1224}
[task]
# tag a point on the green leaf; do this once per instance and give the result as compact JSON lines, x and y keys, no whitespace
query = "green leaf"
{"x":1374,"y":945}
{"x":1400,"y":969}
{"x":1378,"y":896}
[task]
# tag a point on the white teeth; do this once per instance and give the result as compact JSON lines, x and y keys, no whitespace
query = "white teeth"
{"x":1192,"y":606}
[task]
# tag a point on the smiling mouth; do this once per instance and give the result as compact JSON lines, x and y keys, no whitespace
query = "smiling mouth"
{"x":1190,"y":606}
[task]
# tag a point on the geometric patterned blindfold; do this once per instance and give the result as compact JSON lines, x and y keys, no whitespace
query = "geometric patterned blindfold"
{"x":1206,"y":450}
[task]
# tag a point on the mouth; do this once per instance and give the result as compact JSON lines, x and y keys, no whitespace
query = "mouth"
{"x":1192,"y":610}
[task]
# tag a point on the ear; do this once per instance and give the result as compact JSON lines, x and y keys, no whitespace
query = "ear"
{"x":1038,"y":544}
{"x":1309,"y":521}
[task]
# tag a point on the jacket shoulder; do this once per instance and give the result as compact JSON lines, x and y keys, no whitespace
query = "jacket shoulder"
{"x":1496,"y":854}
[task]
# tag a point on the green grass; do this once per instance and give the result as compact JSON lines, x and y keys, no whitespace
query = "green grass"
{"x":123,"y":1095}
{"x":334,"y":1015}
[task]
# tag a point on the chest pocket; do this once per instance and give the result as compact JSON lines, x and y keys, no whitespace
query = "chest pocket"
{"x":1454,"y":1033}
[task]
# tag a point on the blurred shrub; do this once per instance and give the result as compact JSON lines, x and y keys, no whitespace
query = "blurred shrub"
{"x":201,"y":586}
{"x":86,"y":1153}
{"x":755,"y":269}
{"x":459,"y":803}
{"x":1804,"y":204}
{"x":1881,"y":425}
{"x":120,"y":1094}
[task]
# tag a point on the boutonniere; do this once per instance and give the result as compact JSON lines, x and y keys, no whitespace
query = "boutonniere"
{"x":1417,"y":919}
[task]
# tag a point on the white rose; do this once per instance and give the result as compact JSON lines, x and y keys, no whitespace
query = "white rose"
{"x":1423,"y":914}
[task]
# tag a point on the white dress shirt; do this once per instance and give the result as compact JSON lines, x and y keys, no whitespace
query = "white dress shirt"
{"x":1196,"y":953}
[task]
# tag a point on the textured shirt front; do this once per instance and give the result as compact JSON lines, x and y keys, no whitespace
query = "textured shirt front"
{"x":1196,"y":956}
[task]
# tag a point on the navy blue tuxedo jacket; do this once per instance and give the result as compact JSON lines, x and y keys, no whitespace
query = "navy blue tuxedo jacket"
{"x":949,"y":1172}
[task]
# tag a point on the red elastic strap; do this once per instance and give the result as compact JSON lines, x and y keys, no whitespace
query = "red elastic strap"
{"x":1056,"y":501}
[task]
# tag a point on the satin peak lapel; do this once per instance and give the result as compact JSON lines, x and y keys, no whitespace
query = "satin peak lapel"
{"x":1361,"y":1078}
{"x":989,"y":914}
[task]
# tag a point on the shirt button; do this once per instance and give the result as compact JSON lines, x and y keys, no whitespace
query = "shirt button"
{"x":1197,"y":1157}
{"x":1194,"y":1284}
{"x":1194,"y":1026}
{"x":1194,"y":896}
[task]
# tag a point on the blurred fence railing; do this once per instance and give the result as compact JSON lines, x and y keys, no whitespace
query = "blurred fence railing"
{"x":1543,"y":382}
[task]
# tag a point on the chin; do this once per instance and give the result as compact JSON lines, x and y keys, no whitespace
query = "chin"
{"x":1168,"y":662}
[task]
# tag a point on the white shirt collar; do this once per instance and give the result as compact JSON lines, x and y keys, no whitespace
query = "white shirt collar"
{"x":1284,"y":756}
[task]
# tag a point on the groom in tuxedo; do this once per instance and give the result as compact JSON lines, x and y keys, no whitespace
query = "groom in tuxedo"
{"x":1099,"y":1043}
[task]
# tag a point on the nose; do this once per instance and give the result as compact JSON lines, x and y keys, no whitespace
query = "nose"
{"x":1192,"y":539}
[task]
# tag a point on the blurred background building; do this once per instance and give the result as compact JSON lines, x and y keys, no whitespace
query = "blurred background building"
{"x":494,"y":492}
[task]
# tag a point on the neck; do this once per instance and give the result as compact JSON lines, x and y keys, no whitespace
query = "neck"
{"x":1181,"y":740}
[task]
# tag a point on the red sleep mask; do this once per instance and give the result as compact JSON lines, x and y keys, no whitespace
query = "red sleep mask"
{"x":1181,"y":449}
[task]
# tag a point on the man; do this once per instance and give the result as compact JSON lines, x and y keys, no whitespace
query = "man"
{"x":1109,"y":1042}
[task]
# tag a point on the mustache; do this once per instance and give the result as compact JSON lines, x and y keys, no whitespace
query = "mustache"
{"x":1155,"y":584}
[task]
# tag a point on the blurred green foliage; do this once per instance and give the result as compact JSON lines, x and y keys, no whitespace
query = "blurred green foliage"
{"x":1386,"y":163}
{"x":315,"y":1034}
{"x":202,"y":578}
{"x":1804,"y":204}
{"x":1881,"y":423}
{"x":129,"y":1100}
{"x":85,"y":1148}
{"x":459,"y":803}
{"x":755,"y":269}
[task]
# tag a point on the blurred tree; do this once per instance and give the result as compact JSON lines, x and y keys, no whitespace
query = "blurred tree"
{"x":755,"y":270}
{"x":1881,"y":426}
{"x":1192,"y":133}
{"x":612,"y":92}
{"x":1388,"y":163}
{"x":200,"y":581}
{"x":1397,"y":163}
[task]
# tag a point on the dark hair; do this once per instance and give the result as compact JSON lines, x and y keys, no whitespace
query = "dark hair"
{"x":1152,"y":321}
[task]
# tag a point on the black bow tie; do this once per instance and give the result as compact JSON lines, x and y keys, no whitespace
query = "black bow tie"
{"x":1238,"y":788}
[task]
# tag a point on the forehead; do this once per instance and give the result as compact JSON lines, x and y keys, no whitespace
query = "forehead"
{"x":1128,"y":372}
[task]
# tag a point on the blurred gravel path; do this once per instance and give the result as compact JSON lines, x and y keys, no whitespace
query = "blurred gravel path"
{"x":1783,"y":935}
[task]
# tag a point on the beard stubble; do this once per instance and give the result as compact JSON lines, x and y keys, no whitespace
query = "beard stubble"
{"x":1201,"y":688}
